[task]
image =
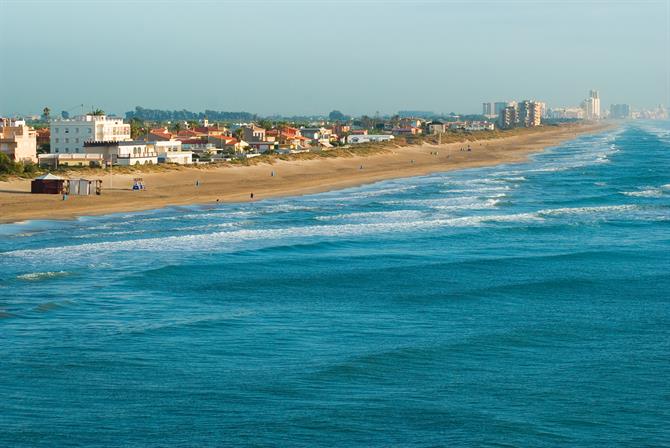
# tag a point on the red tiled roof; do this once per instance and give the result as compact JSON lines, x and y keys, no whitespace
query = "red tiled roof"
{"x":188,"y":140}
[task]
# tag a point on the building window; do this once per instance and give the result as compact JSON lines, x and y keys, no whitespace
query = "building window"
{"x":67,"y":140}
{"x":89,"y":130}
{"x":56,"y":129}
{"x":76,"y":140}
{"x":56,"y":150}
{"x":57,"y":139}
{"x":67,"y":131}
{"x":77,"y":129}
{"x":67,"y":149}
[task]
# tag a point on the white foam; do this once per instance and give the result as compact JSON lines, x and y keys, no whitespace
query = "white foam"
{"x":374,"y":193}
{"x":649,"y":192}
{"x":36,"y":276}
{"x":587,"y":210}
{"x":454,"y":203}
{"x":392,"y":215}
{"x":479,"y":205}
{"x":232,"y":239}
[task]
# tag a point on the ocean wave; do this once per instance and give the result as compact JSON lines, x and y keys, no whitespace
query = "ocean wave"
{"x":587,"y":210}
{"x":118,"y":233}
{"x":373,"y":193}
{"x":48,"y":306}
{"x":392,"y":215}
{"x":232,"y":239}
{"x":648,"y":192}
{"x":37,"y":276}
{"x":481,"y":190}
{"x":285,"y":208}
{"x":390,"y":222}
{"x":479,"y":205}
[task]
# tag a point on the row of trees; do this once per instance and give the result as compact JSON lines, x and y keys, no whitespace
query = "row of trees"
{"x":159,"y":115}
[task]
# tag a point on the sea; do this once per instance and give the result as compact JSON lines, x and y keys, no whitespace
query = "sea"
{"x":520,"y":305}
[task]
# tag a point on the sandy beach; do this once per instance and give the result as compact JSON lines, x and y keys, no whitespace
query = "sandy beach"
{"x":294,"y":177}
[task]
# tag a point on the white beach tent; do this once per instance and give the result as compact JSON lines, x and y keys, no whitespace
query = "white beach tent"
{"x":84,"y":187}
{"x":49,"y":176}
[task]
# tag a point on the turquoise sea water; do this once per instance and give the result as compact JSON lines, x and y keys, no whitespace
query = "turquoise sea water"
{"x":520,"y":305}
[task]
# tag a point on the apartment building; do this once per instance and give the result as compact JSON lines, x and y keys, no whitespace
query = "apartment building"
{"x":69,"y":135}
{"x":18,"y":140}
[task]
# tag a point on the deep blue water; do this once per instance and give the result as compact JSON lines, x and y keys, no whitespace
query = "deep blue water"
{"x":520,"y":305}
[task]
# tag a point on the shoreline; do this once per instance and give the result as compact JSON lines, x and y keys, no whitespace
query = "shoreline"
{"x":292,"y":177}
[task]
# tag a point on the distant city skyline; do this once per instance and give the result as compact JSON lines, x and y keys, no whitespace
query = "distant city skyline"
{"x":299,"y":58}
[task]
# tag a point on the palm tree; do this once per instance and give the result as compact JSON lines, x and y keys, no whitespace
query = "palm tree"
{"x":46,"y":112}
{"x":97,"y":112}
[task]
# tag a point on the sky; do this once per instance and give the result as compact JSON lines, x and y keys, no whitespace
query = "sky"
{"x":304,"y":57}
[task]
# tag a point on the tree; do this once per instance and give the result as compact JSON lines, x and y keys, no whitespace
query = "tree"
{"x":6,"y":164}
{"x":97,"y":112}
{"x":265,"y":124}
{"x":136,"y":128}
{"x":367,"y":122}
{"x":46,"y":113}
{"x":336,"y":115}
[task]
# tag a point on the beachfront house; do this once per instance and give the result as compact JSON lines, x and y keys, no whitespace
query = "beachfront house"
{"x":471,"y":126}
{"x":171,"y":151}
{"x":317,"y":135}
{"x":125,"y":153}
{"x":410,"y":130}
{"x":253,"y":133}
{"x":18,"y":140}
{"x":70,"y":160}
{"x":436,"y":127}
{"x":227,"y":144}
{"x":370,"y":138}
{"x":262,"y":147}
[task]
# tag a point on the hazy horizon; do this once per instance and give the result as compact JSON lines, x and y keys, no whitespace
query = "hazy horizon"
{"x":308,"y":58}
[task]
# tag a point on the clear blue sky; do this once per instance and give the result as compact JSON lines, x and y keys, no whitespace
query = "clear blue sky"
{"x":309,"y":57}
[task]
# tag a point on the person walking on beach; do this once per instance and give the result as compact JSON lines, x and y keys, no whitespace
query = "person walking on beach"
{"x":197,"y":183}
{"x":251,"y":195}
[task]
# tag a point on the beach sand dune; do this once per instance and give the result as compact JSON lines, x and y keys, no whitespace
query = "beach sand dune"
{"x":294,"y":177}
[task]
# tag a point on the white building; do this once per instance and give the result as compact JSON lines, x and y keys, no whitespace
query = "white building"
{"x":69,"y":135}
{"x":574,"y":113}
{"x":356,"y":139}
{"x":125,"y":153}
{"x":592,"y":106}
{"x":171,"y":151}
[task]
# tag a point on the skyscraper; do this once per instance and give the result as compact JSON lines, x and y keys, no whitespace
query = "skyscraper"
{"x":620,"y":111}
{"x":591,"y":105}
{"x":487,"y":109}
{"x":530,"y":113}
{"x":508,"y":117}
{"x":499,"y":106}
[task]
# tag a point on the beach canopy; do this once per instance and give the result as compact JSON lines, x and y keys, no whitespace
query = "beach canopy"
{"x":49,"y":176}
